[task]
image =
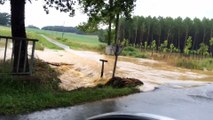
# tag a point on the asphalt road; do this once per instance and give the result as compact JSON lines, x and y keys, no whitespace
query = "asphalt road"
{"x":182,"y":104}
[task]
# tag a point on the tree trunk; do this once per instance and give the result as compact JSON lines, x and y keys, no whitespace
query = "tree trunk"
{"x":110,"y":23}
{"x":20,"y":63}
{"x":116,"y":44}
{"x":116,"y":28}
{"x":159,"y":38}
{"x":109,"y":32}
{"x":147,"y":39}
{"x":135,"y":41}
{"x":141,"y":37}
{"x":186,"y":37}
{"x":195,"y":41}
{"x":204,"y":35}
{"x":178,"y":39}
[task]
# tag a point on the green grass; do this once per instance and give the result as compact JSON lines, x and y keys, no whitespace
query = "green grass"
{"x":27,"y":94}
{"x":5,"y":31}
{"x":131,"y":51}
{"x":74,"y":41}
{"x":200,"y":64}
{"x":42,"y":42}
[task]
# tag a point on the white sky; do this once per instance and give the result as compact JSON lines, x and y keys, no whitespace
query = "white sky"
{"x":35,"y":14}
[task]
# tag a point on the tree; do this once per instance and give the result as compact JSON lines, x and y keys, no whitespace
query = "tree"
{"x":145,"y":45}
{"x":187,"y":23}
{"x":5,"y":19}
{"x":171,"y":48}
{"x":18,"y":27}
{"x":211,"y":46}
{"x":164,"y":45}
{"x":153,"y":46}
{"x":196,"y":26}
{"x":32,"y":26}
{"x":188,"y":45}
{"x":203,"y":50}
{"x":107,"y":12}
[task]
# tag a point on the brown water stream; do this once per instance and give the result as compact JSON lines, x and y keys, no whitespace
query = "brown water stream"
{"x":85,"y":71}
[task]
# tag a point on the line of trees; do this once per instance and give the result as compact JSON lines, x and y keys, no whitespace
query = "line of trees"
{"x":63,"y":29}
{"x":176,"y":35}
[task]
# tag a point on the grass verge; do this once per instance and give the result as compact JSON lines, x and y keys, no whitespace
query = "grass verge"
{"x":200,"y":64}
{"x":42,"y":42}
{"x":26,"y":94}
{"x":81,"y":45}
{"x":179,"y":60}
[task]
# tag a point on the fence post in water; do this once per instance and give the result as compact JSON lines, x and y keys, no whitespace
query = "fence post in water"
{"x":102,"y":68}
{"x":19,"y":57}
{"x":5,"y":51}
{"x":32,"y":58}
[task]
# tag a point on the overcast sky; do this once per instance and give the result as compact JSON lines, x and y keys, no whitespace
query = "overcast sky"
{"x":35,"y":14}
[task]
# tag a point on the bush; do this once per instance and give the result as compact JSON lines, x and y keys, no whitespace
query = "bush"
{"x":131,"y":51}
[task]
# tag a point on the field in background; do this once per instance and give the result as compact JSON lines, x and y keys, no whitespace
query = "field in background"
{"x":75,"y":41}
{"x":90,"y":42}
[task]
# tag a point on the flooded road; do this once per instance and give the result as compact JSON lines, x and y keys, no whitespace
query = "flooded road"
{"x":182,"y":104}
{"x":85,"y":69}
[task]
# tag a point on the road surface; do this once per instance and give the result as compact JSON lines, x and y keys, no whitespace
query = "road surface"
{"x":182,"y":104}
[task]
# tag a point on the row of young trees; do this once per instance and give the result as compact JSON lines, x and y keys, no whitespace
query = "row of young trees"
{"x":178,"y":34}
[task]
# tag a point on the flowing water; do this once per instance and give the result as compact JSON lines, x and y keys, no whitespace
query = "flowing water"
{"x":85,"y":71}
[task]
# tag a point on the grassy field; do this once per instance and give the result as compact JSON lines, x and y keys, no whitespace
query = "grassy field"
{"x":75,"y":41}
{"x":6,"y":31}
{"x":27,"y":94}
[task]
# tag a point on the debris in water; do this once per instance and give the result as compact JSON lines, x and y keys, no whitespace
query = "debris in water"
{"x":123,"y":82}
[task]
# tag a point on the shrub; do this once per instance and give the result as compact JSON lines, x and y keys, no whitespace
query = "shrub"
{"x":131,"y":51}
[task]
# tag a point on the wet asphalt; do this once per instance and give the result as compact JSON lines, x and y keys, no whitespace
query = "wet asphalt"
{"x":182,"y":104}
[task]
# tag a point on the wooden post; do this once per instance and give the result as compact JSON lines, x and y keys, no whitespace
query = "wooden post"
{"x":102,"y":68}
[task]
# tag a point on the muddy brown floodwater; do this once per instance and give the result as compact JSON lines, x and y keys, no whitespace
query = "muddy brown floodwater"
{"x":85,"y":71}
{"x":85,"y":68}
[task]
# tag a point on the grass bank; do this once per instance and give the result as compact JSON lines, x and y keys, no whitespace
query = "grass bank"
{"x":179,"y":60}
{"x":199,"y":64}
{"x":28,"y":94}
